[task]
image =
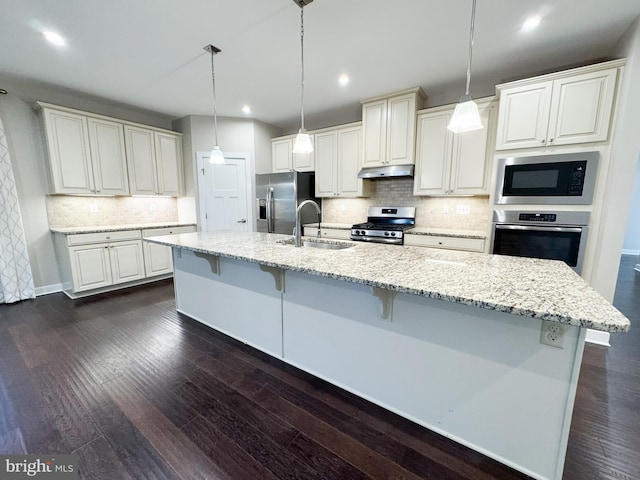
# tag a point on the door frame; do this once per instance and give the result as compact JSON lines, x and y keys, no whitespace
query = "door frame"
{"x":201,"y":158}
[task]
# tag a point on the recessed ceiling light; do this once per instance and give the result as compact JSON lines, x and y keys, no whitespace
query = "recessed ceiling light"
{"x":343,"y":80}
{"x":530,"y":23}
{"x":246,"y":109}
{"x":54,"y":38}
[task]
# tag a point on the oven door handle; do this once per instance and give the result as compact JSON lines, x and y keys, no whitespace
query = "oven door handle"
{"x":540,"y":229}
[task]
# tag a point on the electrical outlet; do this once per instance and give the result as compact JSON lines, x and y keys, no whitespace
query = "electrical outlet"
{"x":93,"y":208}
{"x":463,"y":209}
{"x":552,"y":334}
{"x":445,"y":209}
{"x":152,"y":207}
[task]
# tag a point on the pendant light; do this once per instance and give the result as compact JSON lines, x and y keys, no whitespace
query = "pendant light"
{"x":303,"y":140}
{"x":466,"y":116}
{"x":216,"y":156}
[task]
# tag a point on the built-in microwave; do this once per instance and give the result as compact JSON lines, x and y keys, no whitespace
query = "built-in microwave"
{"x":561,"y":179}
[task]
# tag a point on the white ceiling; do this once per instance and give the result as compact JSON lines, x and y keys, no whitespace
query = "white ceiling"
{"x":148,"y":53}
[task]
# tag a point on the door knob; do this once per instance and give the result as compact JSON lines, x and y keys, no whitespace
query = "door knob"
{"x":244,"y":220}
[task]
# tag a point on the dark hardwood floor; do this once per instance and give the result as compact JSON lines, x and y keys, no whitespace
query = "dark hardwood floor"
{"x":141,"y":392}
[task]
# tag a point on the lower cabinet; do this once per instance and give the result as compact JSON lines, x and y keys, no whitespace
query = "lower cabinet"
{"x":332,"y":233}
{"x":451,"y":243}
{"x":97,"y":262}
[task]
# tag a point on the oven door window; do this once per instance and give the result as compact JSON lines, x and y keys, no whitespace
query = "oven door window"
{"x":553,"y":244}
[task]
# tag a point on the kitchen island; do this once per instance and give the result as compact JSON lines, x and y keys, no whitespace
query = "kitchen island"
{"x":483,"y":349}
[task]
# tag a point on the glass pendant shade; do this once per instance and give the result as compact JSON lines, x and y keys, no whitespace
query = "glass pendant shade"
{"x":303,"y":142}
{"x":466,"y":116}
{"x":216,"y":157}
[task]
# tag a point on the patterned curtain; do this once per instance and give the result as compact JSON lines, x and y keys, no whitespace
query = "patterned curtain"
{"x":16,"y":281}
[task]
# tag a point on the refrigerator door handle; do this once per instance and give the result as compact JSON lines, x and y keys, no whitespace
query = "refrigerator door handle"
{"x":270,"y":212}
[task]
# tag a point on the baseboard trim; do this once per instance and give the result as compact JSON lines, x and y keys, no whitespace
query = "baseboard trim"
{"x":630,"y":252}
{"x":48,"y":289}
{"x":597,"y":337}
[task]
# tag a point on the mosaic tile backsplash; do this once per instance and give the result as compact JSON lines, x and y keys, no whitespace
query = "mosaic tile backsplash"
{"x":399,"y":192}
{"x":74,"y":211}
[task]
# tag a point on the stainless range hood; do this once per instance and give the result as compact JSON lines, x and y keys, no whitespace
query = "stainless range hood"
{"x":388,"y":171}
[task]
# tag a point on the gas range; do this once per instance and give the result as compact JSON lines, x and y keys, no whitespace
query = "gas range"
{"x":385,"y":225}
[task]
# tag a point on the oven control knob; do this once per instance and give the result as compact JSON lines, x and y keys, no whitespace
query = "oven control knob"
{"x":386,"y":234}
{"x":393,"y":234}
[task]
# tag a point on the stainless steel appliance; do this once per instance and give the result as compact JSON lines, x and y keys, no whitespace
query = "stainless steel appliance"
{"x":558,"y":235}
{"x":278,"y":196}
{"x":562,"y":179}
{"x":385,"y":225}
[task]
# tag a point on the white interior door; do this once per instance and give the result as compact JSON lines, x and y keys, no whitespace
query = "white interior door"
{"x":224,"y":190}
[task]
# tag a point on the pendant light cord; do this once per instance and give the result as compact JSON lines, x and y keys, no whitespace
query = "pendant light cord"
{"x":215,"y":112}
{"x":473,"y":21}
{"x":302,"y":67}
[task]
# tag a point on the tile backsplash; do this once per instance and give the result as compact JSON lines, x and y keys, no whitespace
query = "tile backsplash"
{"x":430,"y":211}
{"x":75,"y":211}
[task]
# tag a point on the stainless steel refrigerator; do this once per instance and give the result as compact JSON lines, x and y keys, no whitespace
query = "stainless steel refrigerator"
{"x":278,"y":196}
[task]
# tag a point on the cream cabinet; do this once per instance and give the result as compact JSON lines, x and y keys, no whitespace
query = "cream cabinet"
{"x":86,"y":155}
{"x":154,"y":161}
{"x":563,"y":108}
{"x":104,"y":259}
{"x":328,"y":233}
{"x":389,"y":128}
{"x":338,"y":162}
{"x":451,"y":163}
{"x":447,"y":242}
{"x":284,"y":160}
{"x":158,"y":258}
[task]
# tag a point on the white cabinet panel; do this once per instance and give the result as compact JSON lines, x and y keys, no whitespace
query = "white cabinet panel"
{"x":284,"y":160}
{"x":157,"y":259}
{"x":326,"y":163}
{"x":451,"y":163}
{"x":108,"y":157}
{"x":90,"y":266}
{"x":374,"y":122}
{"x":127,"y":262}
{"x":169,"y":164}
{"x":450,"y":243}
{"x":141,"y":155}
{"x":401,"y":130}
{"x":67,"y":139}
{"x":557,"y":109}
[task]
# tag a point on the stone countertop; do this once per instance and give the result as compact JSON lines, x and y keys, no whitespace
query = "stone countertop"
{"x":543,"y":289}
{"x":440,"y":232}
{"x":117,"y":228}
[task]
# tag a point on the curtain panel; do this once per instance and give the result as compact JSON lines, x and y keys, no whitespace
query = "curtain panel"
{"x":16,"y":279}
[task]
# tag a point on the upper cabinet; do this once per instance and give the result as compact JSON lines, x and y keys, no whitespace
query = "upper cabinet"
{"x":451,"y":163}
{"x":155,"y":162}
{"x":338,"y":162}
{"x":95,"y":155}
{"x":569,"y":107}
{"x":86,"y":155}
{"x":389,"y":128}
{"x":284,"y":160}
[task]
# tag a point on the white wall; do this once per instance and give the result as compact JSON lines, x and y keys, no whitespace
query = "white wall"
{"x":27,"y":149}
{"x":631,"y":244}
{"x":624,"y":155}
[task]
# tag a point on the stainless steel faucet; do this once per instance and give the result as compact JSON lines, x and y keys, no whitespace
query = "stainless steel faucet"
{"x":296,"y":235}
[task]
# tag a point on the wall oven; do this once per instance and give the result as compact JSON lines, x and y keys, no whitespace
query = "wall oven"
{"x":559,"y":235}
{"x":561,"y":179}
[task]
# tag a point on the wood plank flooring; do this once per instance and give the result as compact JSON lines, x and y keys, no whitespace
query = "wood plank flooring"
{"x":141,"y":392}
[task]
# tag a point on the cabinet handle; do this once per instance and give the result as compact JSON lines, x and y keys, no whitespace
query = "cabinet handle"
{"x":108,"y":238}
{"x":551,"y":140}
{"x":439,"y":243}
{"x":542,"y":142}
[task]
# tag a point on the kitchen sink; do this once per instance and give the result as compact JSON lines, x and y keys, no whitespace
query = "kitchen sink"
{"x":326,"y":244}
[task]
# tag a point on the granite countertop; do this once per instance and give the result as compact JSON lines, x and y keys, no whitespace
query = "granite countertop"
{"x":544,"y":289}
{"x":117,"y":228}
{"x":440,"y":232}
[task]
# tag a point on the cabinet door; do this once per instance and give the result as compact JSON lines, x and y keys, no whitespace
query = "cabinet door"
{"x":90,"y":266}
{"x":401,"y":128}
{"x":374,"y":126}
{"x":471,"y":159}
{"x":304,"y":162}
{"x":168,"y":150}
{"x":157,"y":259}
{"x":349,"y":185}
{"x":281,"y":156}
{"x":326,"y":150}
{"x":108,"y":157}
{"x":69,"y":153}
{"x":581,"y":108}
{"x":434,"y":147}
{"x":127,"y":262}
{"x":140,"y":149}
{"x":523,"y":116}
